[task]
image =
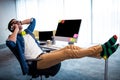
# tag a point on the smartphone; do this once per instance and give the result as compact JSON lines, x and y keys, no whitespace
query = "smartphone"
{"x":12,"y":28}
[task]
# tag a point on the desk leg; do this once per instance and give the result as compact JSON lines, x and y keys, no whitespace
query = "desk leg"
{"x":106,"y":70}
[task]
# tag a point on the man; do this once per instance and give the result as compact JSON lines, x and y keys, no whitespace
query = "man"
{"x":24,"y":44}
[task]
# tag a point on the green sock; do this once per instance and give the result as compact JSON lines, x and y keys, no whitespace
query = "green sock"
{"x":111,"y":41}
{"x":107,"y":52}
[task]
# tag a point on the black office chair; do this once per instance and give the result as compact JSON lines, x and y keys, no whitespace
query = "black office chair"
{"x":34,"y":72}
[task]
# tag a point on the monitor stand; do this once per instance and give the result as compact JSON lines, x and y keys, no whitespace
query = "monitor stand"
{"x":70,"y":43}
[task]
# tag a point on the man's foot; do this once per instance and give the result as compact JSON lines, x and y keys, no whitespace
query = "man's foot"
{"x":107,"y":52}
{"x":111,"y":41}
{"x":109,"y":47}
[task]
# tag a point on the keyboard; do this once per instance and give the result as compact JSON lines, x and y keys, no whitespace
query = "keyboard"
{"x":53,"y":47}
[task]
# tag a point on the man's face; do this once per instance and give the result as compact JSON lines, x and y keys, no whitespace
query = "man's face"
{"x":16,"y":22}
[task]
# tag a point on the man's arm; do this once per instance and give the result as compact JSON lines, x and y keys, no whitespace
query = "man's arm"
{"x":26,"y":21}
{"x":32,"y":23}
{"x":13,"y":36}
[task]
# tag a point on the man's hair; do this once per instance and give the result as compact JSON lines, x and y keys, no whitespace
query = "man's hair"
{"x":10,"y":24}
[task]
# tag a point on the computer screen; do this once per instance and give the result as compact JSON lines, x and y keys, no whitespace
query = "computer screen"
{"x":45,"y":35}
{"x":67,"y":29}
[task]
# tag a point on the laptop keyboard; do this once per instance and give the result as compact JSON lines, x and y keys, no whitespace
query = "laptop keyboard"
{"x":55,"y":47}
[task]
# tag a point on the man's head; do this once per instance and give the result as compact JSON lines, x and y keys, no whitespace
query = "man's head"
{"x":11,"y":24}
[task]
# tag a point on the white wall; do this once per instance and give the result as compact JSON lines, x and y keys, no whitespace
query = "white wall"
{"x":7,"y":12}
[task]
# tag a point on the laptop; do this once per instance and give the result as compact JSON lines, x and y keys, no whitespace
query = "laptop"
{"x":44,"y":36}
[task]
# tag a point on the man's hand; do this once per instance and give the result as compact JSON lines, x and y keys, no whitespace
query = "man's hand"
{"x":13,"y":36}
{"x":16,"y":28}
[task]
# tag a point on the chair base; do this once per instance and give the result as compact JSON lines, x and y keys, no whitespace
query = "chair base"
{"x":40,"y":78}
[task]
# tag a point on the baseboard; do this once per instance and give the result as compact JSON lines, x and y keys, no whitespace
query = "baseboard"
{"x":2,"y":46}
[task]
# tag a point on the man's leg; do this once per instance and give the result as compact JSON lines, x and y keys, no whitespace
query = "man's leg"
{"x":69,"y":52}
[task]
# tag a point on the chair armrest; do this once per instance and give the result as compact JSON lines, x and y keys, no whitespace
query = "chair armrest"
{"x":47,"y":49}
{"x":32,"y":60}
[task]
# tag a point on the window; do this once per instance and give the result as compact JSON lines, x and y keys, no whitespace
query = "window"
{"x":100,"y":18}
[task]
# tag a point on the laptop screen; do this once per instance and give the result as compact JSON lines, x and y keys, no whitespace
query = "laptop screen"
{"x":45,"y":35}
{"x":67,"y":29}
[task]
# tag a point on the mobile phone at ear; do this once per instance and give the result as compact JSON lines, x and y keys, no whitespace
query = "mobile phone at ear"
{"x":12,"y":29}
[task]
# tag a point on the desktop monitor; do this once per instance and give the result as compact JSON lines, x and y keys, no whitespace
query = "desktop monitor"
{"x":45,"y":35}
{"x":67,"y":29}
